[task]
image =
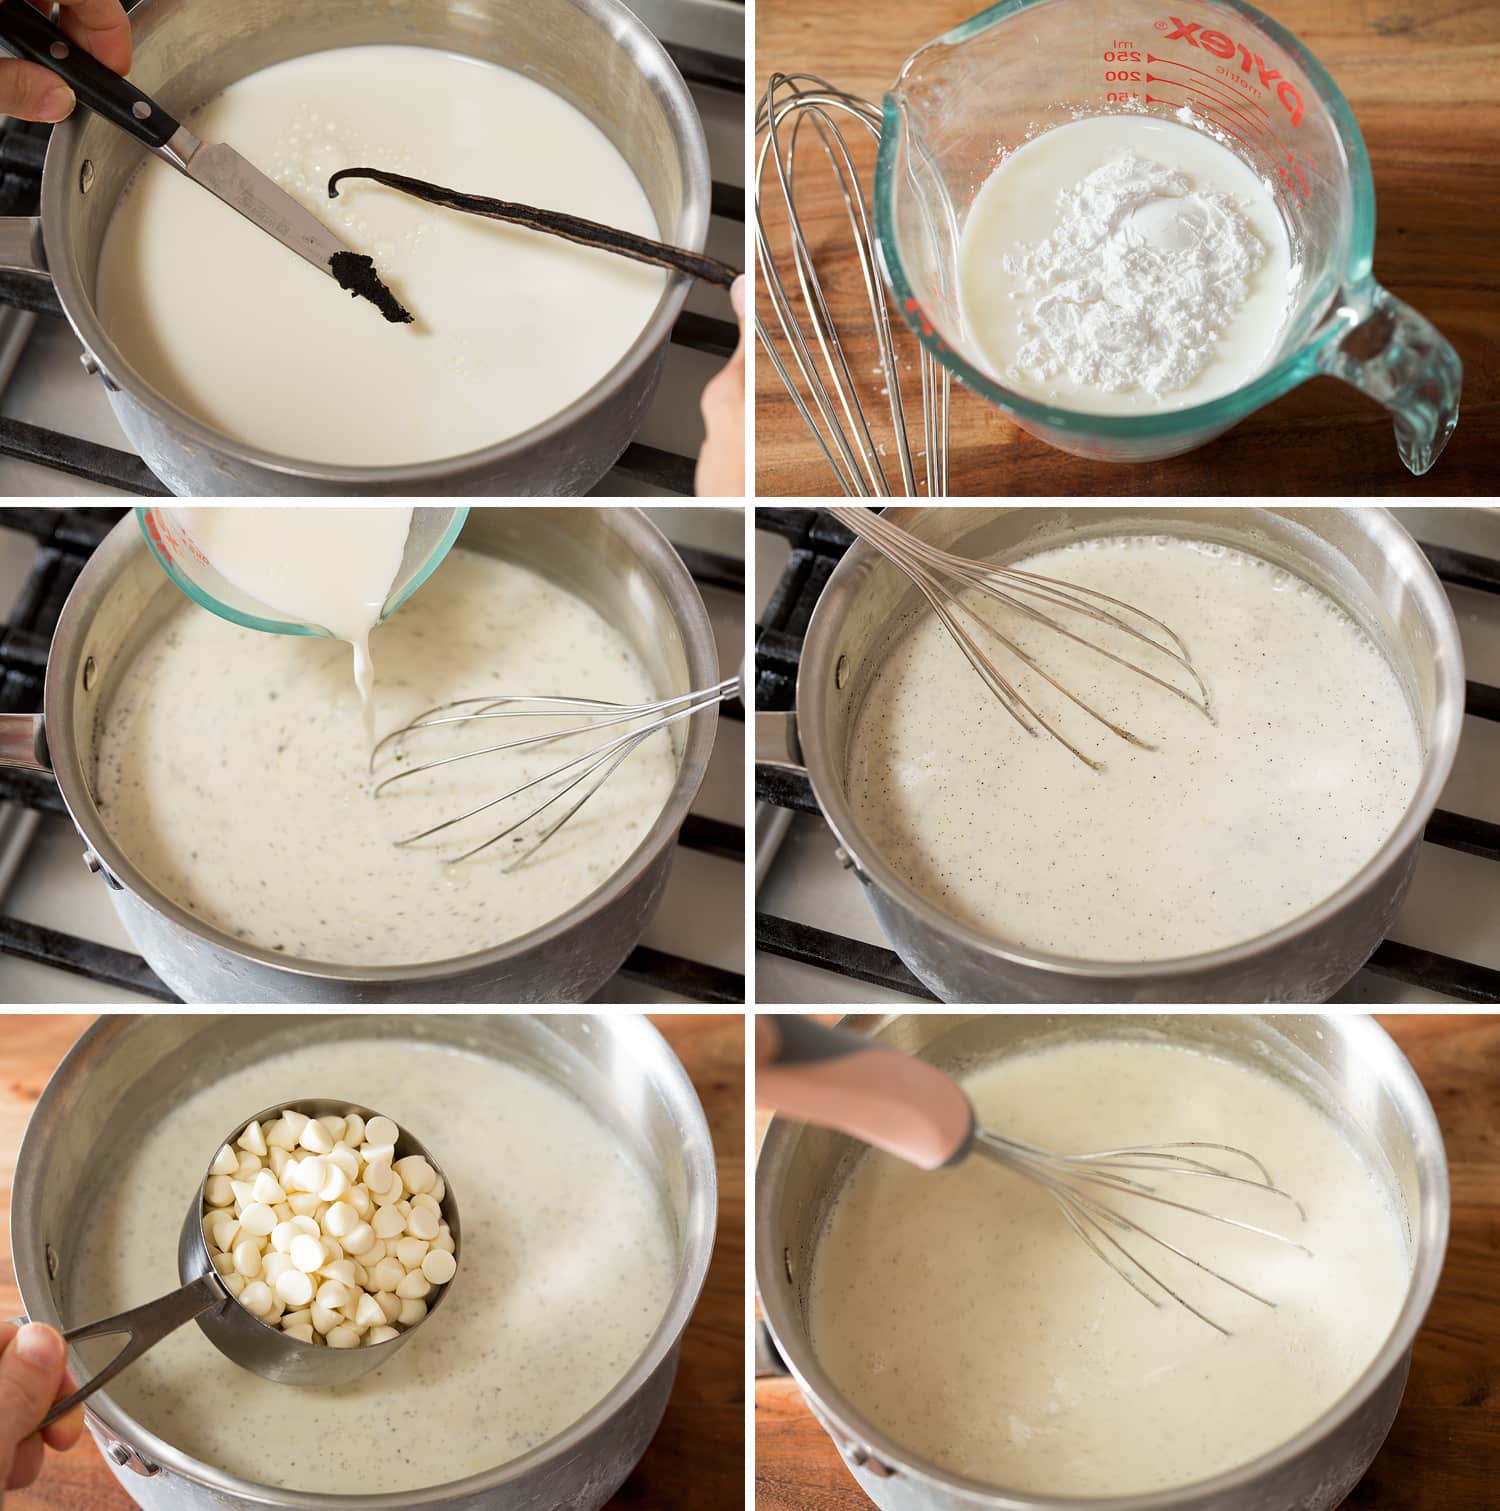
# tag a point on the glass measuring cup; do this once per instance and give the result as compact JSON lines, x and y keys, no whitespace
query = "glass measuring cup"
{"x":1023,"y":66}
{"x":168,"y":532}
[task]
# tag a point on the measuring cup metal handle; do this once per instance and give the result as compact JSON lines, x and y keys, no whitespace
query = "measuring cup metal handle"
{"x":147,"y":1325}
{"x":1401,"y":360}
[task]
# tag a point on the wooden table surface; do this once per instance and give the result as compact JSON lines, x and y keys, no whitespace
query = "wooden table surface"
{"x":1443,"y":1454}
{"x":1423,"y":81}
{"x":696,"y":1461}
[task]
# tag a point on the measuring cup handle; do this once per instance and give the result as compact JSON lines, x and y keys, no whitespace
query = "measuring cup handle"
{"x":1401,"y":360}
{"x":845,"y":1081}
{"x":147,"y":1325}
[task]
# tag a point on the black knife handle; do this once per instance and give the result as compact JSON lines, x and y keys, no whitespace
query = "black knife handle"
{"x":28,"y":34}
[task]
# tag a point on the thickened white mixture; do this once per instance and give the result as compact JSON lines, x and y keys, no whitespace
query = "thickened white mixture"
{"x":568,"y":1266}
{"x":511,"y":325}
{"x":1124,"y":264}
{"x":233,"y":770}
{"x":1225,"y":831}
{"x":961,"y":1314}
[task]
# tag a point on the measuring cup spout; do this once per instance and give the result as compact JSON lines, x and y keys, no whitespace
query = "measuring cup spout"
{"x":1401,"y":360}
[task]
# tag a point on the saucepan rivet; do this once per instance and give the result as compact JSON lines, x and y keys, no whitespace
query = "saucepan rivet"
{"x":86,"y":176}
{"x":52,"y":1264}
{"x":119,"y":1453}
{"x":786,"y":1260}
{"x":140,"y":110}
{"x":59,"y":50}
{"x":89,"y":673}
{"x":841,"y":671}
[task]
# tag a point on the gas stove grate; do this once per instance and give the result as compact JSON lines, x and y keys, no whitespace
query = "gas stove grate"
{"x":66,"y":538}
{"x":23,"y":146}
{"x":818,"y":543}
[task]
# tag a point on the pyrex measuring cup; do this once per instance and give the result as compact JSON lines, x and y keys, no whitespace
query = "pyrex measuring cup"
{"x":168,"y":531}
{"x":1022,"y":66}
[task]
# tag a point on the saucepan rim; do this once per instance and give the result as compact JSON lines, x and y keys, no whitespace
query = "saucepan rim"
{"x":621,"y":26}
{"x":1378,"y":1053}
{"x":659,"y":1067}
{"x":67,"y":754}
{"x":816,"y":670}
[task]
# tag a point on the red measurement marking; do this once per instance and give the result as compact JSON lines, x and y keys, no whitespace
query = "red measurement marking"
{"x":1241,"y":91}
{"x":1213,"y":99}
{"x":1280,"y":145}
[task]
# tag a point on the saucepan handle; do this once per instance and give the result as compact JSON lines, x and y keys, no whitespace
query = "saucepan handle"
{"x":1401,"y":360}
{"x":855,"y":1085}
{"x":23,"y":742}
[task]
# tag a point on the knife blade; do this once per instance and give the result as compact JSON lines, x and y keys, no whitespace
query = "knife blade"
{"x":228,"y":176}
{"x":221,"y":170}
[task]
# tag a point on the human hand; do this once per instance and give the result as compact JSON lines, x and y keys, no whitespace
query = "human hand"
{"x":721,"y":463}
{"x":35,"y":93}
{"x":33,"y":1375}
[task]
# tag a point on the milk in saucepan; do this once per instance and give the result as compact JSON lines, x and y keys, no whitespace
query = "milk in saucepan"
{"x":1225,"y":830}
{"x":233,"y":771}
{"x":961,"y":1315}
{"x":510,"y":326}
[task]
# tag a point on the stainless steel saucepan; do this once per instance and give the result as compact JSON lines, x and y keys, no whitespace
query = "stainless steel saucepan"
{"x":1347,"y":1064}
{"x":113,"y":1084}
{"x":611,"y":557}
{"x":596,"y":54}
{"x":1360,"y":556}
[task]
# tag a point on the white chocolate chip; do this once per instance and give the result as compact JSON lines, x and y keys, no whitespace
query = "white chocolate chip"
{"x":439,"y":1267}
{"x":414,"y":1286}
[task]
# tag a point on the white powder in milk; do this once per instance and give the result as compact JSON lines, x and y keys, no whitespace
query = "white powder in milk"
{"x":1137,"y":282}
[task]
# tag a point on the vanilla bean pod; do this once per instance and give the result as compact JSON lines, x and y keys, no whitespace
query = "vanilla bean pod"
{"x":588,"y":233}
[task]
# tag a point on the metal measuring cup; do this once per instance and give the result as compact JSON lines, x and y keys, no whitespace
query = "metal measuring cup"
{"x":236,"y":1332}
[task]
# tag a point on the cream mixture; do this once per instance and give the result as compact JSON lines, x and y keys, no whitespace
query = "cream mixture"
{"x":1226,"y":830}
{"x":569,"y":1261}
{"x":329,"y":568}
{"x":1124,"y":264}
{"x":511,"y":325}
{"x":232,"y":770}
{"x":962,"y":1316}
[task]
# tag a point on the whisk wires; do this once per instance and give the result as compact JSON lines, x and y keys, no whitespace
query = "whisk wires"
{"x":942,"y":578}
{"x":583,"y":774}
{"x":824,"y":392}
{"x":1135,"y":1172}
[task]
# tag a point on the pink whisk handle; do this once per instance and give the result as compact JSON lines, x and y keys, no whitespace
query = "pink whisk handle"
{"x":841,"y":1080}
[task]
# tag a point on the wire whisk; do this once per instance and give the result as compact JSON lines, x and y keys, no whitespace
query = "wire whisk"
{"x":590,"y":770}
{"x":1072,"y":1179}
{"x":815,"y":368}
{"x":943,"y":578}
{"x":859,"y":1086}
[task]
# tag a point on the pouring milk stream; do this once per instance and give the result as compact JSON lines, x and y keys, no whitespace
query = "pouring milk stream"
{"x":331,"y":568}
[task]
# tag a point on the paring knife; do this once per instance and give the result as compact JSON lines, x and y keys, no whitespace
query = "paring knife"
{"x":212,"y":165}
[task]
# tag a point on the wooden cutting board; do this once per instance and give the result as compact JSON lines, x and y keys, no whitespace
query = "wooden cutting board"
{"x":1443,"y":1454}
{"x":1422,"y":80}
{"x":696,"y":1462}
